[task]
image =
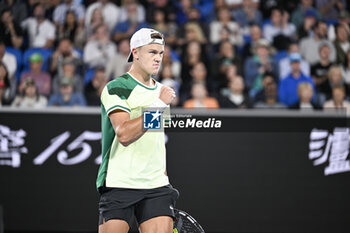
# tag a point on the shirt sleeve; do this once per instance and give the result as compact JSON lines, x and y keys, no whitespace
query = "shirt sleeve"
{"x":51,"y":30}
{"x":112,"y":102}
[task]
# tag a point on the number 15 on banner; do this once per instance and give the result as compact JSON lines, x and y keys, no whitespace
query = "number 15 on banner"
{"x":78,"y":143}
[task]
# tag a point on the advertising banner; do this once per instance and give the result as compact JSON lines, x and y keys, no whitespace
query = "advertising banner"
{"x":248,"y":173}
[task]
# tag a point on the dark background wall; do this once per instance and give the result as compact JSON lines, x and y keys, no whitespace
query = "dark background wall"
{"x":233,"y":180}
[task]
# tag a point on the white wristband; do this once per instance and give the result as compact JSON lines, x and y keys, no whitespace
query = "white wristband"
{"x":158,"y":103}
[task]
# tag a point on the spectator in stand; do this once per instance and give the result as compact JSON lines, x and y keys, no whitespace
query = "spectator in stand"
{"x":199,"y":74}
{"x":288,"y":88}
{"x":248,"y":14}
{"x":50,"y":7}
{"x":255,"y":36}
{"x":266,"y":79}
{"x":236,"y":98}
{"x":225,"y":29}
{"x":279,"y":25}
{"x":5,"y":97}
{"x":183,"y":9}
{"x":270,"y":95}
{"x":231,"y":72}
{"x":9,"y":61}
{"x":41,"y":78}
{"x":309,"y":47}
{"x":305,"y":94}
{"x":30,"y":97}
{"x":124,"y":11}
{"x":330,"y":9}
{"x":18,"y":9}
{"x":173,"y":62}
{"x":96,"y":20}
{"x":70,"y":29}
{"x":192,"y":53}
{"x":10,"y":32}
{"x":341,"y":43}
{"x":117,"y":64}
{"x":304,"y":10}
{"x":167,"y":78}
{"x":69,"y":71}
{"x":166,"y":27}
{"x":41,"y":32}
{"x":61,"y":10}
{"x":99,"y":50}
{"x":346,"y":69}
{"x":66,"y":96}
{"x":194,"y":16}
{"x":319,"y":71}
{"x":338,"y":101}
{"x":305,"y":30}
{"x":200,"y":98}
{"x":94,"y":88}
{"x":343,"y":20}
{"x":222,"y":61}
{"x":110,"y":12}
{"x":284,"y":64}
{"x":257,"y":65}
{"x":335,"y":78}
{"x":192,"y":32}
{"x":124,"y":29}
{"x":166,"y":6}
{"x":64,"y":50}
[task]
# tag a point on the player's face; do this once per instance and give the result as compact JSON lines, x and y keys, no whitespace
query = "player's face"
{"x":150,"y":58}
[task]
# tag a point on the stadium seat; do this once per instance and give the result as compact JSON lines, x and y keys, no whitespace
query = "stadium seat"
{"x":280,"y":55}
{"x":80,"y":52}
{"x":46,"y":53}
{"x":89,"y":74}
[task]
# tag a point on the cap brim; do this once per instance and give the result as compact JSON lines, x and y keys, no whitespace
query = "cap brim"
{"x":130,"y":57}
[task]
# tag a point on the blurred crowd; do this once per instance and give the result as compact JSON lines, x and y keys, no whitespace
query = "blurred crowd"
{"x":218,"y":54}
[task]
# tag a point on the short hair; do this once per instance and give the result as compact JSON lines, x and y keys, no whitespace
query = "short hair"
{"x":318,"y":23}
{"x":304,"y":85}
{"x":276,"y":8}
{"x":322,"y":45}
{"x":339,"y":87}
{"x":6,"y":9}
{"x":333,"y":69}
{"x":39,"y":4}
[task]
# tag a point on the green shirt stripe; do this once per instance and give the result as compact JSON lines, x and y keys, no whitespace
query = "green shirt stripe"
{"x":118,"y":106}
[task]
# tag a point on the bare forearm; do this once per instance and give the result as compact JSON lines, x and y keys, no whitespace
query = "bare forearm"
{"x":130,"y":131}
{"x":16,"y":40}
{"x":49,"y":44}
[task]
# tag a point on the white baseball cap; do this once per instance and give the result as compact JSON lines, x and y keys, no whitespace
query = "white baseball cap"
{"x":144,"y":36}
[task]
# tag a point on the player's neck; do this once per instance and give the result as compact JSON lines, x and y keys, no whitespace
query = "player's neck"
{"x":141,"y":76}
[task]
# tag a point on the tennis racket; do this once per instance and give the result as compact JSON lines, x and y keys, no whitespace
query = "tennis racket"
{"x":185,"y":223}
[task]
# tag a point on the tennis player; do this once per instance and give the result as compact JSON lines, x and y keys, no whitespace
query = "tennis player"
{"x":132,"y":178}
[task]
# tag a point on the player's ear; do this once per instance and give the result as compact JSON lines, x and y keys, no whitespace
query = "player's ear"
{"x":136,"y":53}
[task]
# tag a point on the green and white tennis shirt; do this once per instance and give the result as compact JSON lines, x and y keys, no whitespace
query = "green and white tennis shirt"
{"x":142,"y":164}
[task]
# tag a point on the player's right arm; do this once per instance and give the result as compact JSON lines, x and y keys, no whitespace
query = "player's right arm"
{"x":128,"y":131}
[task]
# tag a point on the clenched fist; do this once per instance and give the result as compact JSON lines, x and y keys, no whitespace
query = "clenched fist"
{"x":167,"y":94}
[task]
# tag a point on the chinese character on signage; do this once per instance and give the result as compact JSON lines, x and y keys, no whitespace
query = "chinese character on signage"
{"x":331,"y":147}
{"x":11,"y":146}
